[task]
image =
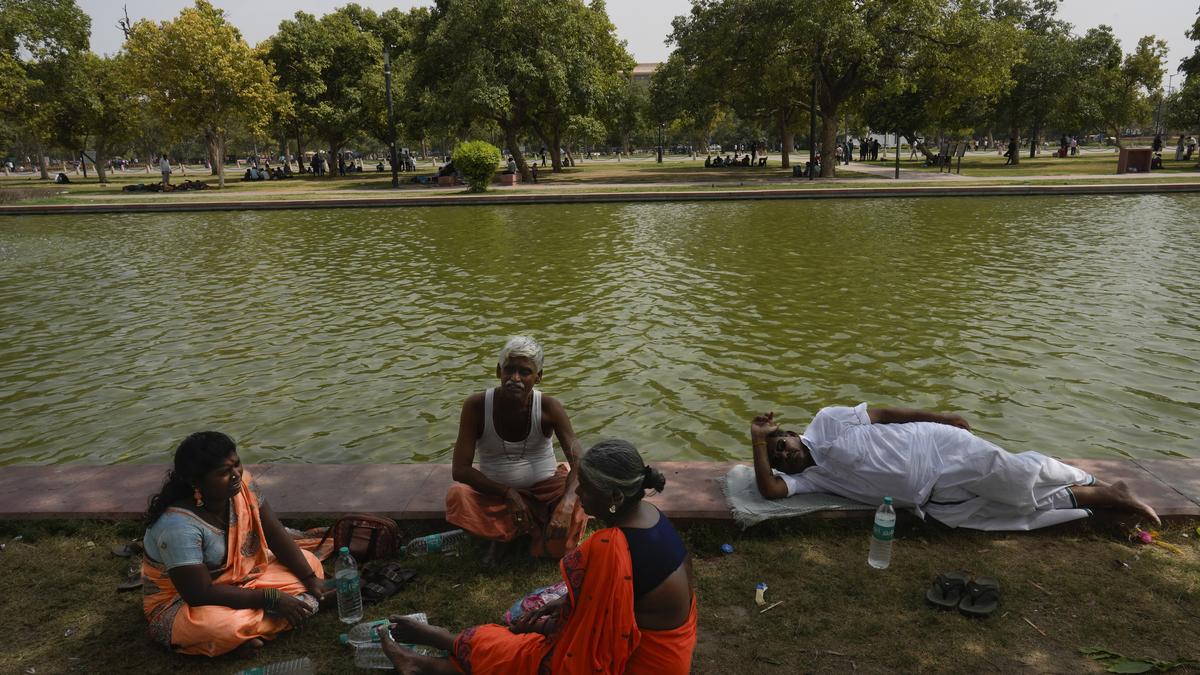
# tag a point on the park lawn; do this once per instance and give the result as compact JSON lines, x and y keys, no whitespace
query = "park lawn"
{"x":1062,"y":591}
{"x":1091,"y":162}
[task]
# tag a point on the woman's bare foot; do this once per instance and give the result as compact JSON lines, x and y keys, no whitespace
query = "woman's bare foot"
{"x":417,"y":633}
{"x":249,"y":648}
{"x":1126,"y":499}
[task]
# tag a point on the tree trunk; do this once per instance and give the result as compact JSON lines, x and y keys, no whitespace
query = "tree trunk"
{"x":787,"y":138}
{"x":1117,"y":135}
{"x":299,"y":154}
{"x":554,"y":148}
{"x":1033,"y":141}
{"x":101,"y":158}
{"x":215,"y":157}
{"x":332,"y":169}
{"x":1014,"y":132}
{"x":510,"y":138}
{"x":829,"y":129}
{"x":220,"y":164}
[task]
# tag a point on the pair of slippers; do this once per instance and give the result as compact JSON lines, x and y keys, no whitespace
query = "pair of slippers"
{"x":133,"y":576}
{"x":975,"y":597}
{"x":385,"y":580}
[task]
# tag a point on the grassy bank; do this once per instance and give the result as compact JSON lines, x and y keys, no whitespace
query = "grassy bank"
{"x":640,"y":174}
{"x":1062,"y":591}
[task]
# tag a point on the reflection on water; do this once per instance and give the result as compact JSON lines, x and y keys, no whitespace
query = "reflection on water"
{"x":1065,"y":325}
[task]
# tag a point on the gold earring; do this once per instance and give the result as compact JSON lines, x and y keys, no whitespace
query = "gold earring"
{"x":197,"y":497}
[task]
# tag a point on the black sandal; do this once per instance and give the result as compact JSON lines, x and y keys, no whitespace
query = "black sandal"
{"x":982,"y":597}
{"x":947,"y":590}
{"x":386,"y":581}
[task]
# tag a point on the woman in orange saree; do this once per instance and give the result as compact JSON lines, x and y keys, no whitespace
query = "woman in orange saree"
{"x":630,"y":606}
{"x":220,"y":571}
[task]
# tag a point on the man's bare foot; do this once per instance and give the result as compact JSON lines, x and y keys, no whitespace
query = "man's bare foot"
{"x":1126,"y":499}
{"x":249,"y":648}
{"x":417,"y":633}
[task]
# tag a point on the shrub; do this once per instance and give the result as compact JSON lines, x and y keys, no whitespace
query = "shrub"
{"x":477,"y":160}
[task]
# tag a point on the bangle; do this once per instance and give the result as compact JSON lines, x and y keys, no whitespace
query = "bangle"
{"x":271,"y":598}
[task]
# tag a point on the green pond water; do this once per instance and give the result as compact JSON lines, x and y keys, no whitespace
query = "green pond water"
{"x":1070,"y":326}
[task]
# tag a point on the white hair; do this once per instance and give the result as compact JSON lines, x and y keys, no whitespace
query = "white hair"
{"x":521,"y":345}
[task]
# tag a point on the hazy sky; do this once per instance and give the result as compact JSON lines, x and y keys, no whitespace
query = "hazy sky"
{"x":643,"y":23}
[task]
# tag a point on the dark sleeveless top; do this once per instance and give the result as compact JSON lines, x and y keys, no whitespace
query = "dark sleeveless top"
{"x":656,"y":552}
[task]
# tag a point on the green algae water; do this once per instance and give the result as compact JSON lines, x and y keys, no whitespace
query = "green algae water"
{"x":1067,"y":325}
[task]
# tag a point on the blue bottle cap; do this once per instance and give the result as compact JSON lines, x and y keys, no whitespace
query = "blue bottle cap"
{"x":727,"y":548}
{"x":761,"y":585}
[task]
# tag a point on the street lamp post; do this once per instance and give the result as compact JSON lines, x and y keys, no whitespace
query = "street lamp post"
{"x":662,"y":127}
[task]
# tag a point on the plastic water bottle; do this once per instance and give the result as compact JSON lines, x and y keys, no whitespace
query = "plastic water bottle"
{"x":371,"y":656}
{"x":300,"y":666}
{"x":434,"y":543}
{"x":349,"y":594}
{"x":363,"y":633}
{"x":881,"y":536}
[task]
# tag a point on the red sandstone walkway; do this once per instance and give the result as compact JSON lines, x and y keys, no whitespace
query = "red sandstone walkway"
{"x":417,"y":491}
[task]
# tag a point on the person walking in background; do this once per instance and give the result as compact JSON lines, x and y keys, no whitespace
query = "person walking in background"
{"x":164,"y":167}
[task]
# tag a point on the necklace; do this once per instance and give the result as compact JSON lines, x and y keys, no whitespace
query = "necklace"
{"x":524,"y":439}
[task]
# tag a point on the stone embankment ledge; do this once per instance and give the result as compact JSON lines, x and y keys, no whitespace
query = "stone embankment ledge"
{"x":417,"y":491}
{"x":494,"y":199}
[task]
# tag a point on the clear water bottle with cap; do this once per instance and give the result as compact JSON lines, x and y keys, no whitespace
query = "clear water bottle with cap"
{"x":371,"y":655}
{"x":349,"y":593}
{"x":368,"y":631}
{"x":300,"y":666}
{"x":435,"y":543}
{"x":881,"y":535}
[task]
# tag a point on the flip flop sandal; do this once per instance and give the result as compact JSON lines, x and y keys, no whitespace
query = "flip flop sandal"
{"x":386,"y":581}
{"x":133,"y":578}
{"x":947,"y":590}
{"x":127,"y":550}
{"x":981,"y":598}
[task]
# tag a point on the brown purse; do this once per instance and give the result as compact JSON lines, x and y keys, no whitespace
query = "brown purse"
{"x":368,"y":536}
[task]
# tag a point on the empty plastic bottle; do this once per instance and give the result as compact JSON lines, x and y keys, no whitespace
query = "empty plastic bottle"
{"x":300,"y":666}
{"x":881,"y":535}
{"x":349,"y":593}
{"x":367,"y":631}
{"x":434,"y":543}
{"x":371,"y":655}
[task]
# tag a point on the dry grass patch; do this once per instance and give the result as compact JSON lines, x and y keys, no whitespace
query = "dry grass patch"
{"x":837,"y":615}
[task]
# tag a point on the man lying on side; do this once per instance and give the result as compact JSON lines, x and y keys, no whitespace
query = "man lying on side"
{"x":929,"y":462}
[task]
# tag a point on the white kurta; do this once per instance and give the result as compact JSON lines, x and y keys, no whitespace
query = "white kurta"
{"x":947,"y":472}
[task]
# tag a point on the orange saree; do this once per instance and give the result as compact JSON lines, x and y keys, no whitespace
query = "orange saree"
{"x":211,"y":630}
{"x":487,"y":517}
{"x":598,"y":632}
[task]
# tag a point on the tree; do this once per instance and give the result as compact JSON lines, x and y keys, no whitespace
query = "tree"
{"x":1120,"y":86}
{"x":332,"y":68}
{"x":38,"y":38}
{"x":1044,"y":71}
{"x":524,"y":64}
{"x":1183,"y":107}
{"x":949,"y":89}
{"x":109,"y":110}
{"x":199,"y":75}
{"x":771,"y":64}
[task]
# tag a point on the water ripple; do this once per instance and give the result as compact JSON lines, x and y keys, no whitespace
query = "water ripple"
{"x":1065,"y":325}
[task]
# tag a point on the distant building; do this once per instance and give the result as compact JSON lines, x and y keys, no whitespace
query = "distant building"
{"x":642,"y":72}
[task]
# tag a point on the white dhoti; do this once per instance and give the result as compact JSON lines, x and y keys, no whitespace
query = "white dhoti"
{"x":951,"y":474}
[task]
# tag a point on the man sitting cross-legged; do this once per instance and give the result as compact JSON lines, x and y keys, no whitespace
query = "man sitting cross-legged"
{"x":519,"y":487}
{"x":929,"y":462}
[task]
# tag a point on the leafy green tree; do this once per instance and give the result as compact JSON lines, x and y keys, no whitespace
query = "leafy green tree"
{"x":523,"y":64}
{"x":332,"y":68}
{"x":1183,"y":107}
{"x":38,"y":39}
{"x":951,"y":88}
{"x":1043,"y":73}
{"x":477,"y":160}
{"x":198,"y":74}
{"x":750,"y":56}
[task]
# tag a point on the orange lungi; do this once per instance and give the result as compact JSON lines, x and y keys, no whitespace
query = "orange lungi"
{"x":211,"y":630}
{"x":488,"y":517}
